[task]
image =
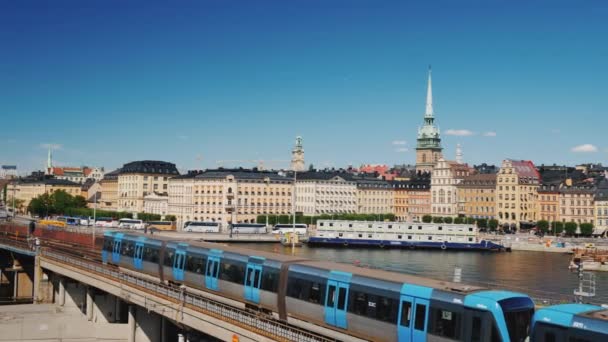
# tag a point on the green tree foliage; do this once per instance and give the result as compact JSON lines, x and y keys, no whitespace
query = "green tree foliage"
{"x":493,"y":224}
{"x":586,"y":229}
{"x":57,"y":203}
{"x":427,"y":219}
{"x":482,"y":223}
{"x":470,"y":220}
{"x":448,"y":220}
{"x":148,"y":217}
{"x":570,"y":228}
{"x":459,"y":220}
{"x":543,"y":226}
{"x":437,"y":219}
{"x":171,"y":218}
{"x":558,"y":227}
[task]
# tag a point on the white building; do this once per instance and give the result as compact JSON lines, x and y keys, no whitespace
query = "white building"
{"x":325,"y":193}
{"x":445,"y":177}
{"x":229,"y":195}
{"x":156,"y":203}
{"x":138,"y":179}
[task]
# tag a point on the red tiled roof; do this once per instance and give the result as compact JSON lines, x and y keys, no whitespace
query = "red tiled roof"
{"x":525,"y":168}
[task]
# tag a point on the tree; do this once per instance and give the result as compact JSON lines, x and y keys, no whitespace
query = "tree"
{"x":61,"y":201}
{"x":437,"y":219}
{"x":79,"y":202}
{"x":586,"y":229}
{"x":558,"y":227}
{"x":470,"y":220}
{"x":570,"y":228}
{"x":41,"y":206}
{"x":482,"y":223}
{"x":459,"y":220}
{"x":427,"y":218}
{"x":171,"y":218}
{"x":493,"y":224}
{"x":543,"y":226}
{"x":448,"y":220}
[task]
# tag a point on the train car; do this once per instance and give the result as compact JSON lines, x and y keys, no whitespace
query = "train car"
{"x":570,"y":322}
{"x":337,"y":300}
{"x":248,"y":228}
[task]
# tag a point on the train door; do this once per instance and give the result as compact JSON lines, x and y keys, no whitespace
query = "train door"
{"x":116,"y":247}
{"x":137,"y":256}
{"x":179,"y":261}
{"x":212,"y":271}
{"x":336,"y":298}
{"x":413,"y":313}
{"x":253,"y":279}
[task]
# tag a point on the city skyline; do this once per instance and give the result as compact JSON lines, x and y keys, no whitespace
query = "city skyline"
{"x":212,"y":82}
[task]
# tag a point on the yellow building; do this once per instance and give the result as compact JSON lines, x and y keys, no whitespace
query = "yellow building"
{"x":477,"y":196}
{"x":227,"y":196}
{"x":516,"y":193}
{"x":576,"y":202}
{"x":27,"y":189}
{"x":548,"y":203}
{"x":109,"y":191}
{"x":138,"y":179}
{"x":412,"y":199}
{"x":374,"y":196}
{"x":601,"y":208}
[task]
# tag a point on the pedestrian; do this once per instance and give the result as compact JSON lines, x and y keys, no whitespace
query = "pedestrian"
{"x":146,"y":229}
{"x":31,"y":228}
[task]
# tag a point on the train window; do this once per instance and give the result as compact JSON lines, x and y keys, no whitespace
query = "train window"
{"x":420,"y":318}
{"x":150,"y":254}
{"x":358,"y":302}
{"x":232,"y":271}
{"x":315,"y":293}
{"x":406,"y":313}
{"x":372,"y":306}
{"x":495,"y":334}
{"x":331,"y":295}
{"x":307,"y":290}
{"x":549,"y":337}
{"x":169,"y":257}
{"x":107,"y":244}
{"x":196,"y":264}
{"x":128,"y":248}
{"x":476,"y":329}
{"x":341,"y":298}
{"x":270,"y":280}
{"x":256,"y":278}
{"x":445,"y":323}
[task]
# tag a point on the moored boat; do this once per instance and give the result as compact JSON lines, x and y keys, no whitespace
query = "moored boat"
{"x":400,"y":235}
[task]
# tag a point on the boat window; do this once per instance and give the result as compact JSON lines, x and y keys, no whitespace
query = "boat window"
{"x":331,"y":224}
{"x":419,"y":227}
{"x":409,"y":237}
{"x":440,"y":228}
{"x":470,"y":229}
{"x":360,"y":235}
{"x":470,"y":239}
{"x":410,"y":227}
{"x":350,"y":225}
{"x":340,"y":234}
{"x":430,"y":238}
{"x":321,"y":224}
{"x":420,"y":320}
{"x":369,"y":236}
{"x":390,"y":226}
{"x":399,"y":237}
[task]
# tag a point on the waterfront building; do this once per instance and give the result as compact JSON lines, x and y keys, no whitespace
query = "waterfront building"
{"x":412,"y":199}
{"x":576,"y":202}
{"x":601,"y":207}
{"x":548,"y":202}
{"x":374,"y":196}
{"x":89,"y":189}
{"x":428,"y":147}
{"x":516,"y":190}
{"x":109,"y":191}
{"x":27,"y":189}
{"x":156,"y":203}
{"x":229,"y":195}
{"x":325,"y":192}
{"x":139,"y":178}
{"x":444,"y":192}
{"x":297,"y":156}
{"x":477,"y":196}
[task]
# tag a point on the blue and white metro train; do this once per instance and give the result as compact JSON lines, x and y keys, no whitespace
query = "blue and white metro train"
{"x":570,"y":322}
{"x":338,"y":300}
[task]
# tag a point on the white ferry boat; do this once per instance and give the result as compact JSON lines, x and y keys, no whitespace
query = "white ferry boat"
{"x":399,"y":235}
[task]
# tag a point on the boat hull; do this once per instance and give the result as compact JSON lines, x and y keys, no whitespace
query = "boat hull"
{"x":348,"y":243}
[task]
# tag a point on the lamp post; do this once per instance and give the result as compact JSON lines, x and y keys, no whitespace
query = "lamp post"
{"x":293,"y":209}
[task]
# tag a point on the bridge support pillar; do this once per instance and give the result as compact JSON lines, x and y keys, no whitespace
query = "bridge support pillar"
{"x":90,"y":302}
{"x":132,"y":323}
{"x":38,"y":298}
{"x":61,"y":299}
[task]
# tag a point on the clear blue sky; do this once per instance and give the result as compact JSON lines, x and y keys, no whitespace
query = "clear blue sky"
{"x":116,"y":81}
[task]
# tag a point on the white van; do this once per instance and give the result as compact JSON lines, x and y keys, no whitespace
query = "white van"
{"x":131,"y":224}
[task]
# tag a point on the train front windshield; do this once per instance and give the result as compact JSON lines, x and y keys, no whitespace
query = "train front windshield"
{"x":518,"y":314}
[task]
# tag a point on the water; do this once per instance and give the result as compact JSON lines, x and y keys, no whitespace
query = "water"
{"x":541,"y":275}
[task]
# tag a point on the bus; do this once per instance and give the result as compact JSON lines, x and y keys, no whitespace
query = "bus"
{"x":107,"y":222}
{"x":298,"y":228}
{"x":202,"y":227}
{"x":161,"y":225}
{"x":53,"y":223}
{"x":70,"y":221}
{"x":248,"y":228}
{"x":130,"y":223}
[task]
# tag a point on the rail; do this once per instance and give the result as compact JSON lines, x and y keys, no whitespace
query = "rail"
{"x":252,"y":321}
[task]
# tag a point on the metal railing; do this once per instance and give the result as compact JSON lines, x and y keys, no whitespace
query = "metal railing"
{"x":267,"y":326}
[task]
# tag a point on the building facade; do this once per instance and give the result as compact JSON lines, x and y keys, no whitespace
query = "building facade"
{"x":297,"y":156}
{"x":28,"y":189}
{"x":445,"y":178}
{"x":601,"y":208}
{"x":576,"y":202}
{"x":109,"y":191}
{"x":477,"y":196}
{"x":374,"y":196}
{"x":548,"y":208}
{"x":229,"y":195}
{"x":156,"y":203}
{"x":412,"y":199}
{"x":139,"y":178}
{"x":517,"y":184}
{"x":325,"y":193}
{"x":428,"y":146}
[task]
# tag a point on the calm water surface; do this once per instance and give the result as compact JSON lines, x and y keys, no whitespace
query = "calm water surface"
{"x":542,"y":275}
